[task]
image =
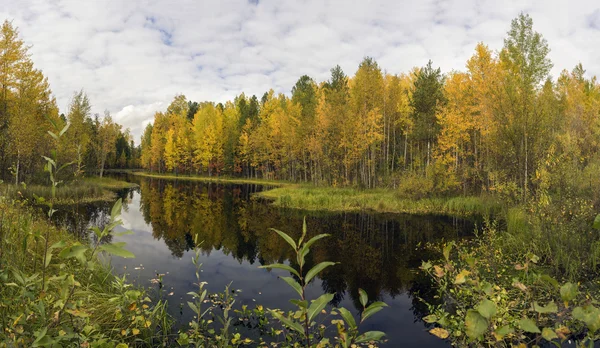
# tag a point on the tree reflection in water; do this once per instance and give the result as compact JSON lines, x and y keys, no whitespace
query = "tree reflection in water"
{"x":376,"y":252}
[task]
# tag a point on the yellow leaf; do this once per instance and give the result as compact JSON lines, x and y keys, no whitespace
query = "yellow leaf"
{"x":123,"y":332}
{"x":132,"y":306}
{"x":439,"y":332}
{"x":135,"y":331}
{"x":520,"y":286}
{"x":461,"y":277}
{"x":439,"y":272}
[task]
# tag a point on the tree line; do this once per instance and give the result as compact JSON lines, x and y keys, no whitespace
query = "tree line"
{"x":503,"y":124}
{"x":28,"y":111}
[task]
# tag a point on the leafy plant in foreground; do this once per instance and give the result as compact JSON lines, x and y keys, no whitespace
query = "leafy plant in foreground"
{"x":202,"y":332}
{"x":302,"y":322}
{"x":70,"y":303}
{"x":490,"y":298}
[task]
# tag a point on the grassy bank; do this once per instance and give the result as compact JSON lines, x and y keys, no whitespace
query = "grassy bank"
{"x":379,"y":200}
{"x":55,"y":291}
{"x":217,"y":179}
{"x":108,"y":183}
{"x":315,"y":198}
{"x":87,"y":190}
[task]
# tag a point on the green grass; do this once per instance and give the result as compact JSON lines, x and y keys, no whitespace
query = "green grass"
{"x":109,"y":183}
{"x":218,"y":179}
{"x":92,"y":189}
{"x":333,"y":199}
{"x":379,"y":200}
{"x":97,"y":297}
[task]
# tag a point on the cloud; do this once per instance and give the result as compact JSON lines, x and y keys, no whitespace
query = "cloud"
{"x":133,"y":57}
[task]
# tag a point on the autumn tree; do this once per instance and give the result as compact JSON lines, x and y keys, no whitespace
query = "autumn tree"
{"x":427,"y":97}
{"x":526,"y":65}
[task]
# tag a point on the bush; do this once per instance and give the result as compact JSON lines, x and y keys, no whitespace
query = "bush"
{"x":437,"y":182}
{"x":494,"y":298}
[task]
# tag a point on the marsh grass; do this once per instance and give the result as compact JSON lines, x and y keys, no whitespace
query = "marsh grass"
{"x":378,"y":200}
{"x":99,"y":295}
{"x":217,"y":179}
{"x":108,"y":183}
{"x":83,"y":191}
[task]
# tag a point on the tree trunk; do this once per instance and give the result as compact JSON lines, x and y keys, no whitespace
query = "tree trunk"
{"x":17,"y":169}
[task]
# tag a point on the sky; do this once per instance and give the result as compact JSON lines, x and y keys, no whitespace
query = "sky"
{"x":132,"y":57}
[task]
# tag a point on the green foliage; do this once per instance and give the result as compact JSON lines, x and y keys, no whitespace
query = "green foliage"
{"x":55,"y":292}
{"x":301,"y":326}
{"x":496,"y":298}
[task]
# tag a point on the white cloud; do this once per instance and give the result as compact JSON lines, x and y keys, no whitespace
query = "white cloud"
{"x":132,"y":57}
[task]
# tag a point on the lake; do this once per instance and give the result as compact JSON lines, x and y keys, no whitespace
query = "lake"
{"x":379,"y":253}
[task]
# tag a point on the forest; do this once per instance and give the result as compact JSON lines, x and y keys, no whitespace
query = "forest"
{"x":501,"y":141}
{"x":502,"y":125}
{"x":28,"y":111}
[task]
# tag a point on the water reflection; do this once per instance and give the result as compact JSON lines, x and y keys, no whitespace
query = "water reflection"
{"x":379,"y":253}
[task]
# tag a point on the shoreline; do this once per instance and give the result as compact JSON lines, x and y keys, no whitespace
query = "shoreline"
{"x":346,"y":199}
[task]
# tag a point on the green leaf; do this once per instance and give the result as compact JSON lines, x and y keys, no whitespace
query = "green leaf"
{"x":57,"y":245}
{"x":549,"y":308}
{"x":549,"y":334}
{"x":116,"y":209}
{"x":590,"y":315}
{"x":528,"y":325}
{"x":446,"y":250}
{"x":317,"y":305}
{"x":486,"y":308}
{"x":64,"y":129}
{"x":41,"y":339}
{"x":289,"y":323}
{"x":301,"y":255}
{"x":294,"y":284}
{"x":283,"y":267}
{"x":348,"y":317}
{"x":370,"y":336}
{"x":372,"y":309}
{"x":476,"y":325}
{"x":316,"y":270}
{"x":503,"y":331}
{"x":303,"y":231}
{"x":568,"y":292}
{"x":597,"y":222}
{"x":97,"y":232}
{"x":50,"y":160}
{"x":117,"y":250}
{"x":195,"y":308}
{"x":430,"y":319}
{"x":549,"y":280}
{"x":53,"y":135}
{"x":300,"y":303}
{"x":48,"y":258}
{"x":76,"y":251}
{"x":315,"y":238}
{"x":287,"y":238}
{"x":363,"y":297}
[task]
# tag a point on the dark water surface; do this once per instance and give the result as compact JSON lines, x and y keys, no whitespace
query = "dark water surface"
{"x":378,"y":253}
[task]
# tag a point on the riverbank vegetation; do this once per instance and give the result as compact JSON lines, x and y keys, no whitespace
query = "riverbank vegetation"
{"x":85,"y":190}
{"x":337,"y":199}
{"x":502,"y":138}
{"x":54,"y":289}
{"x":378,"y":200}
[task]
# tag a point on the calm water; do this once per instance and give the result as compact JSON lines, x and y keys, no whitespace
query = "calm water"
{"x":378,"y":253}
